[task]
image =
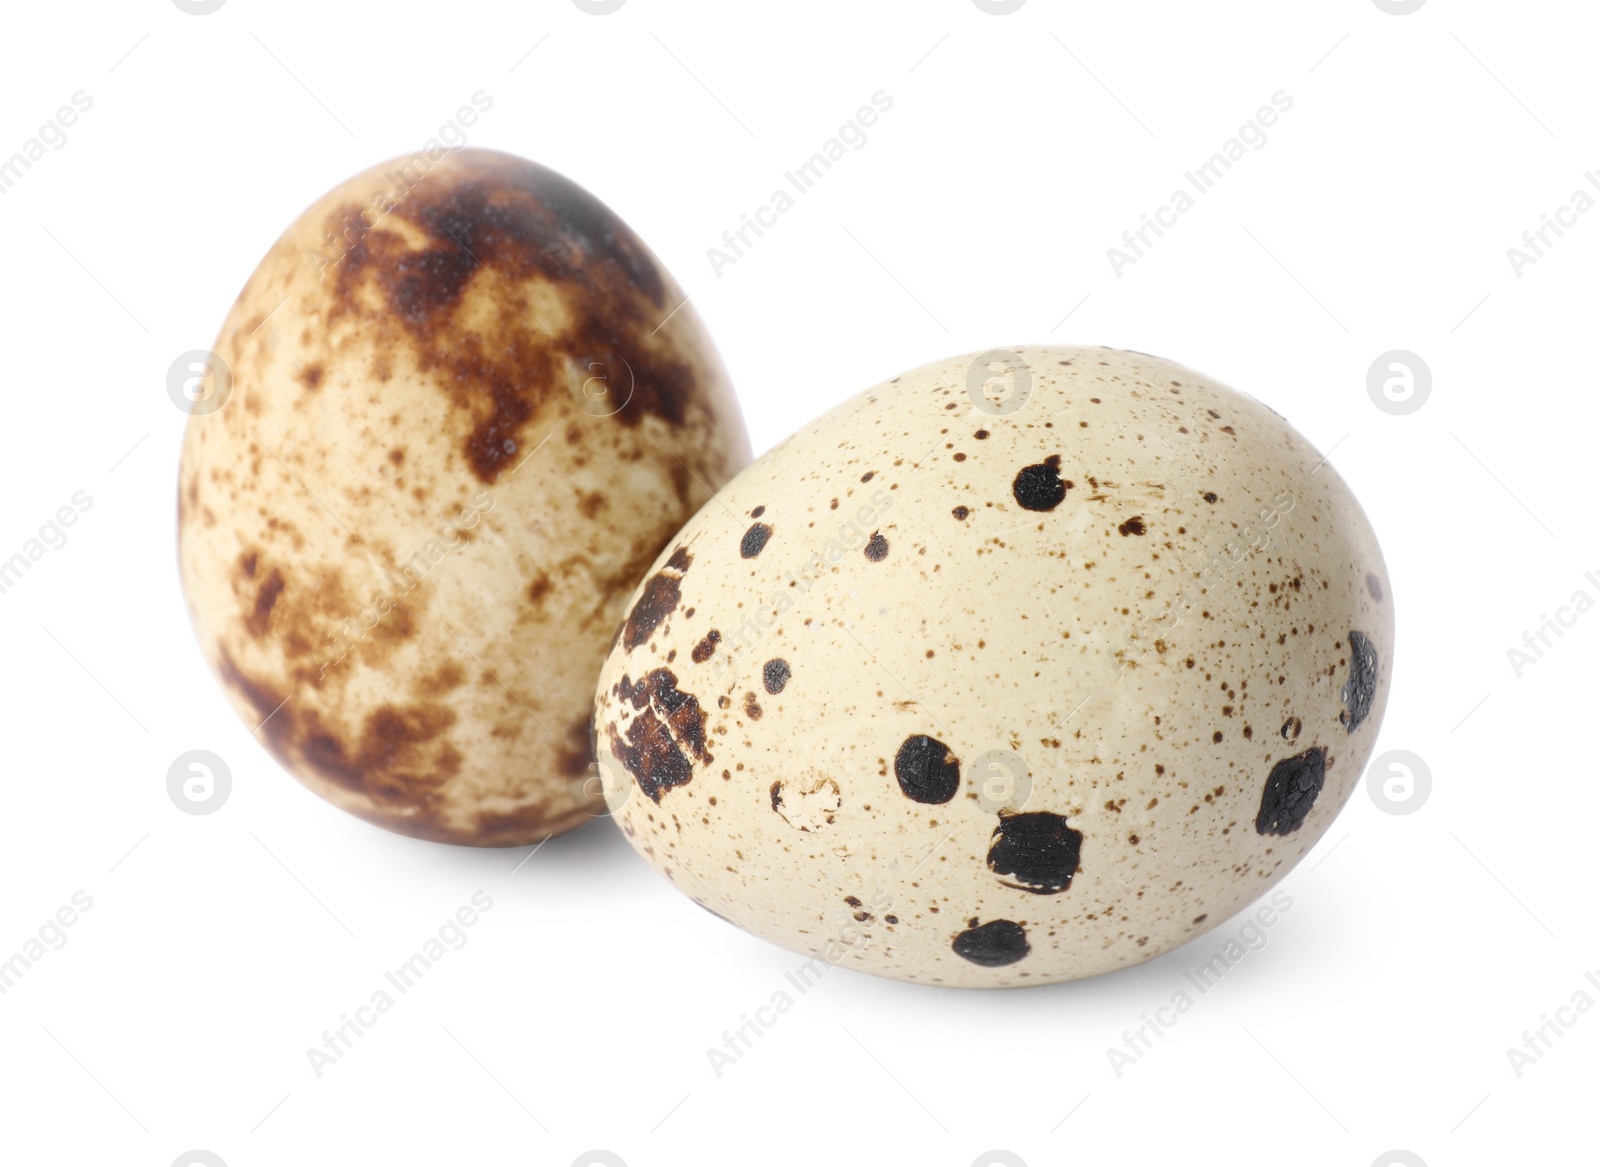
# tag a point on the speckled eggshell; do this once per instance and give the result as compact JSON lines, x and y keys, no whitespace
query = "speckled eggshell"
{"x":468,"y":409}
{"x":1010,"y":670}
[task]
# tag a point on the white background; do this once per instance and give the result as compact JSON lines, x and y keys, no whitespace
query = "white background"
{"x":1019,"y":148}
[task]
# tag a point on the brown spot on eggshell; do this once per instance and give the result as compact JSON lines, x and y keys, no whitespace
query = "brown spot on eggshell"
{"x":448,"y":676}
{"x":261,"y":612}
{"x":492,"y":225}
{"x":666,"y":736}
{"x":390,"y":760}
{"x":658,"y":601}
{"x":577,"y":748}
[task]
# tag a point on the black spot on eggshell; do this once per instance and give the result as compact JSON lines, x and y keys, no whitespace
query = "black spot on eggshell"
{"x":775,"y":675}
{"x":992,"y":945}
{"x":1134,"y":526}
{"x":754,"y":540}
{"x":1374,"y":587}
{"x":877,"y":548}
{"x":1291,"y":791}
{"x":1040,"y":487}
{"x":1362,"y":684}
{"x":926,"y":770}
{"x":1037,"y":851}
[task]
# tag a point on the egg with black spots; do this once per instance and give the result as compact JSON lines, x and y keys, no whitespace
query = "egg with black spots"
{"x":468,"y":408}
{"x":996,"y":695}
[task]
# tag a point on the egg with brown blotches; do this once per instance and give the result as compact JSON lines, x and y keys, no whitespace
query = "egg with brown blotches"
{"x":454,"y":415}
{"x":1021,"y":667}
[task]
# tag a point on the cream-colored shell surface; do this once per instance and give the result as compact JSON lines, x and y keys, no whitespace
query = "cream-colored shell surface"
{"x":1021,"y":667}
{"x":461,"y":409}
